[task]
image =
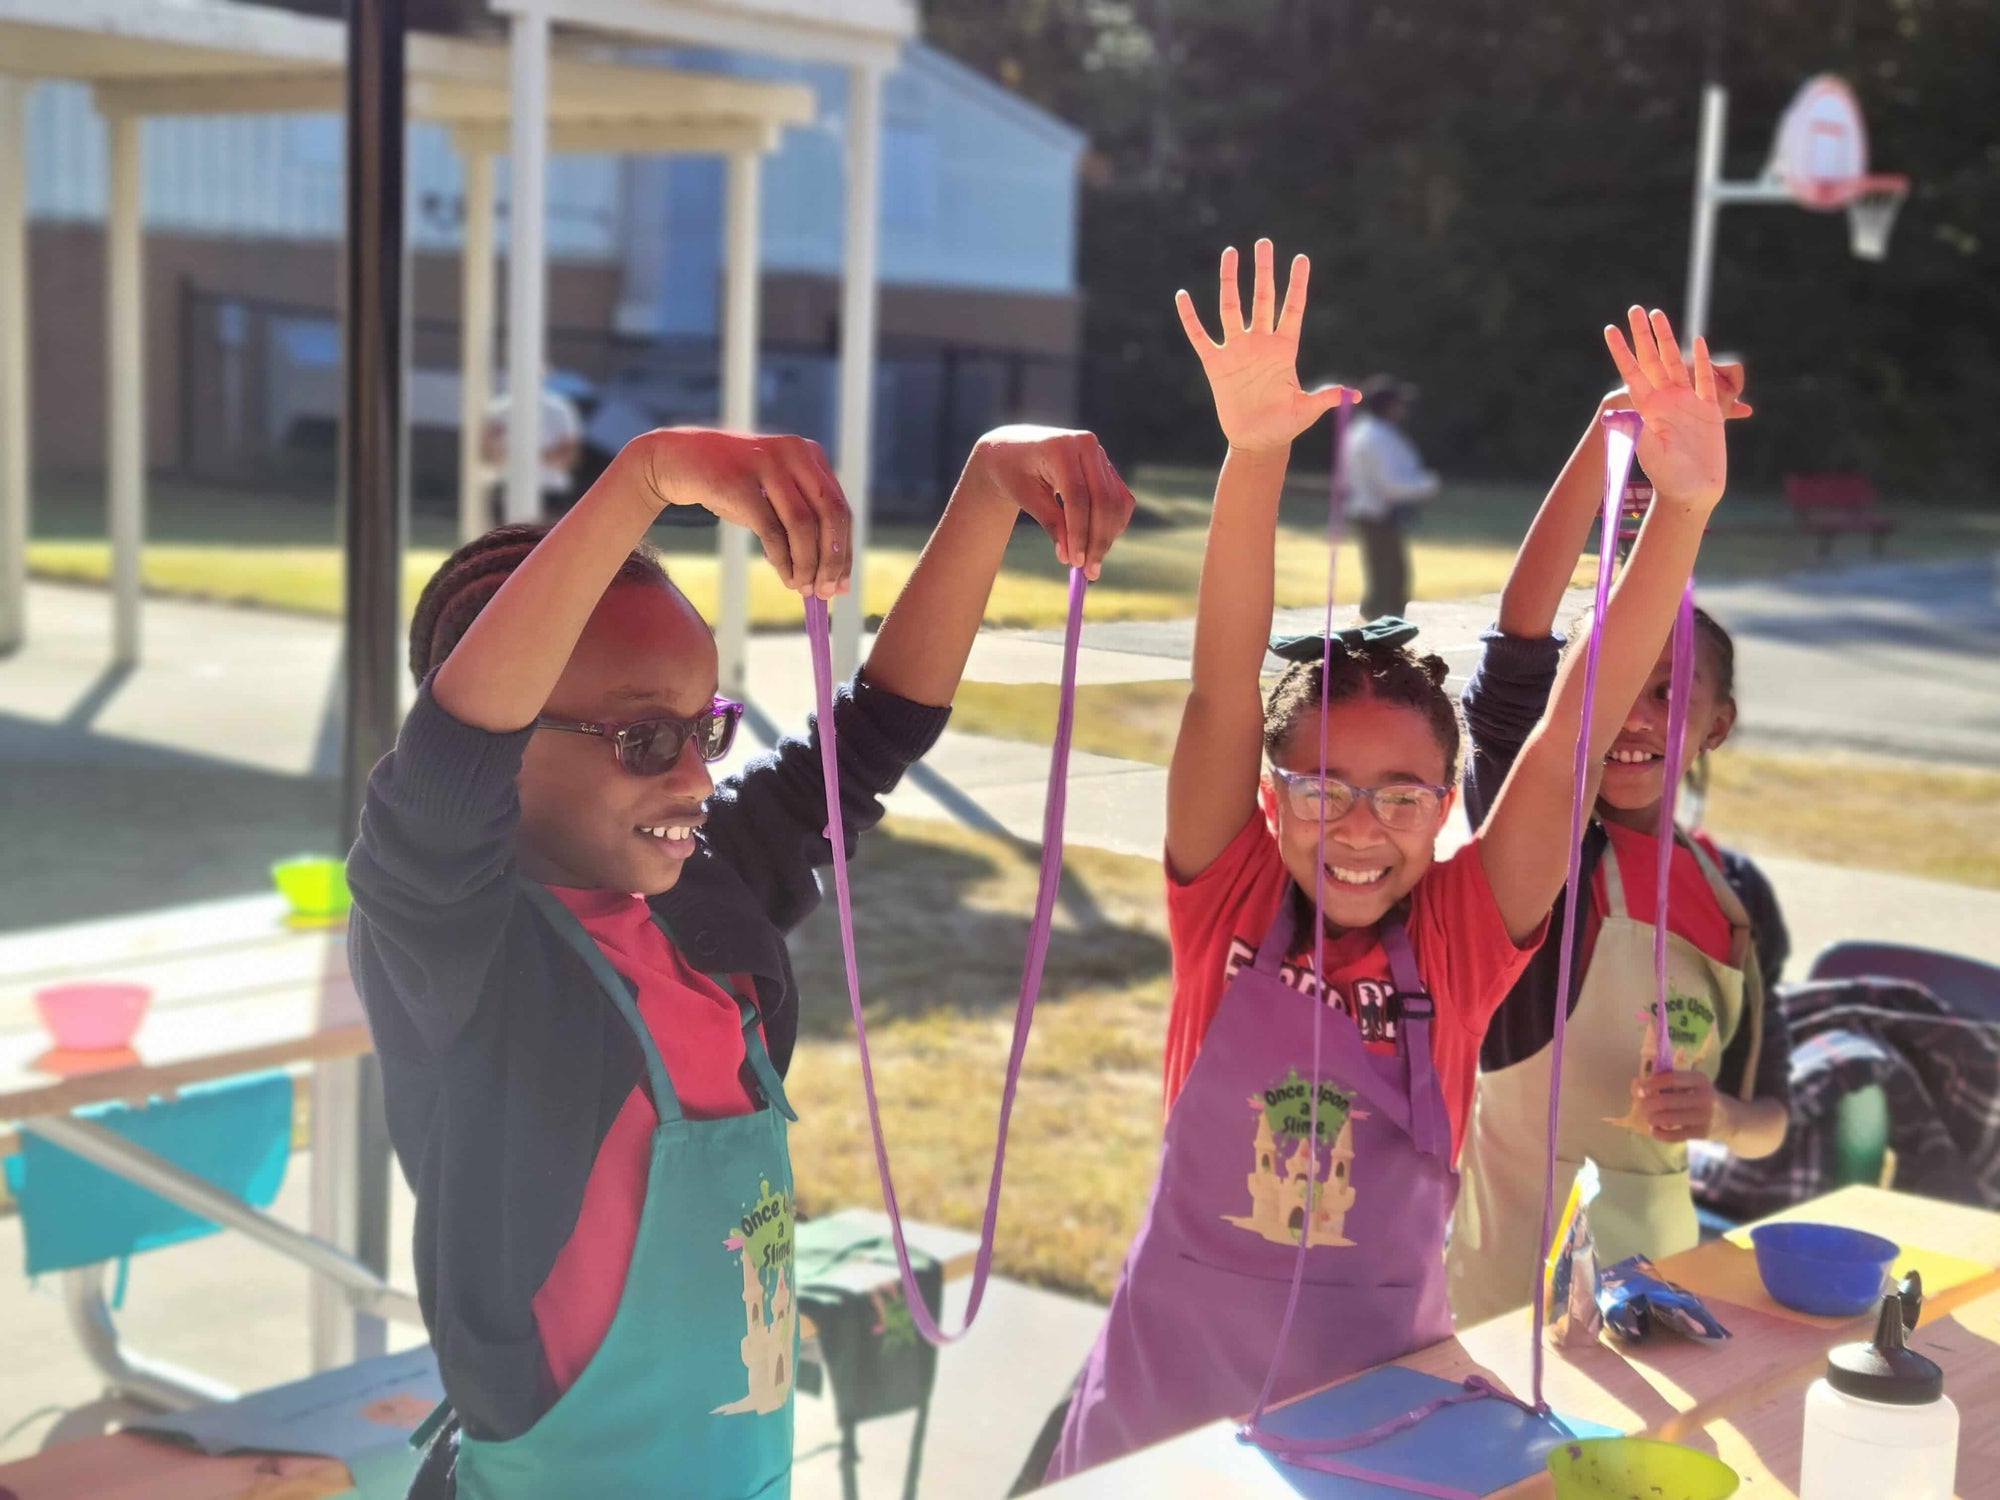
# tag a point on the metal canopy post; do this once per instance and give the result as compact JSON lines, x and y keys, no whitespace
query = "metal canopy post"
{"x":351,"y":1201}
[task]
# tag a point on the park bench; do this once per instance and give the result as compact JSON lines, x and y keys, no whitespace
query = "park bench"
{"x":1830,"y":505}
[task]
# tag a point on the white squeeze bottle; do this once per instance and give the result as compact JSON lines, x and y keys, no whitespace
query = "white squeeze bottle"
{"x":1878,"y":1425}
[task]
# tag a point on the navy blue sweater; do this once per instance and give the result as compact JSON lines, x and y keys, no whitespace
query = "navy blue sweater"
{"x":502,"y":1062}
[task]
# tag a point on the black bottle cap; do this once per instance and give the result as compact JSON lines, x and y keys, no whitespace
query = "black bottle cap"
{"x":1886,"y":1370}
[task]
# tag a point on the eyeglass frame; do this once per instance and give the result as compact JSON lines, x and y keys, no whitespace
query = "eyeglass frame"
{"x":1287,"y":780}
{"x":726,"y":709}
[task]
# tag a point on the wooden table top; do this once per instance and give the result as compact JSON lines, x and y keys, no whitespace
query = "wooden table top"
{"x":235,"y":990}
{"x":1668,"y":1388}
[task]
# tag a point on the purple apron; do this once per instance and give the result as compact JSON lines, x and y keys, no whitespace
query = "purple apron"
{"x":1194,"y":1321}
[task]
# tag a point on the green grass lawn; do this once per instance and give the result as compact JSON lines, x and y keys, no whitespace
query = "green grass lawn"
{"x":1803,"y":805}
{"x":282,"y":552}
{"x":941,"y":916}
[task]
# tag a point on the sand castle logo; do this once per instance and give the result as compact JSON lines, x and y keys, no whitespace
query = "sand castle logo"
{"x":763,"y":1242}
{"x":1690,"y":1032}
{"x":1290,"y":1194}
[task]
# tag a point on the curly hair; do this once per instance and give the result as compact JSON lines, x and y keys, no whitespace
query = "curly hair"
{"x":472,"y":575}
{"x":1387,"y":674}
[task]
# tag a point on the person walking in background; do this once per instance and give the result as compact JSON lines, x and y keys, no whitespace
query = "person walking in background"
{"x":562,"y":442}
{"x":1386,"y":481}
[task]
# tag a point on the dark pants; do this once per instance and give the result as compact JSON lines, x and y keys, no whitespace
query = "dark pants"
{"x":1047,"y":1440}
{"x":1385,"y":566}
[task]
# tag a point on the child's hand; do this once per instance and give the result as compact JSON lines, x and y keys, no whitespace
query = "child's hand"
{"x":1676,"y":1106}
{"x":1253,"y":372}
{"x":1729,"y":382}
{"x":1063,"y":480}
{"x":780,"y":487}
{"x":1681,"y":445}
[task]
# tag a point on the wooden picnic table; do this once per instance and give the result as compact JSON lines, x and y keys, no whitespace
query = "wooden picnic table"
{"x":1733,"y":1398}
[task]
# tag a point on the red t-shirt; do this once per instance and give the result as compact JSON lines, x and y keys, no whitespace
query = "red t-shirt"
{"x":1217,"y":920}
{"x":1692,"y":910}
{"x":699,"y":1033}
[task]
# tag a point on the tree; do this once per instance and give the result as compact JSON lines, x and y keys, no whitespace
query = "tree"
{"x":1525,"y":171}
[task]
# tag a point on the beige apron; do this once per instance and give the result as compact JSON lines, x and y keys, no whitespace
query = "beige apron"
{"x":1644,"y":1206}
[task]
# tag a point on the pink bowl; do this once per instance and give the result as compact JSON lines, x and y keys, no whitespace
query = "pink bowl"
{"x":93,"y":1017}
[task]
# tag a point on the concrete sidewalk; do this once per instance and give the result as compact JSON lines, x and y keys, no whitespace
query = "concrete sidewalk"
{"x":251,"y":693}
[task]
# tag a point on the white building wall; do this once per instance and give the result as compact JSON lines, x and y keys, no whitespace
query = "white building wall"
{"x":280,"y":176}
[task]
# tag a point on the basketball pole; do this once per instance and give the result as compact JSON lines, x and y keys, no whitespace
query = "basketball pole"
{"x":1707,"y":178}
{"x":1711,"y":193}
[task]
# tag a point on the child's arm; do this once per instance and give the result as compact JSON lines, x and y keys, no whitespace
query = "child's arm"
{"x":1253,"y":373}
{"x":432,"y":870}
{"x":1525,"y":843}
{"x":768,"y":823}
{"x":1509,"y":686}
{"x":500,"y":675}
{"x":1561,"y":528}
{"x":1061,"y":479}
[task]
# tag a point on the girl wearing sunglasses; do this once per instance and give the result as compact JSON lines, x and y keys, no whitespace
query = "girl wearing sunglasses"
{"x":1263,"y":817}
{"x":570,"y":943}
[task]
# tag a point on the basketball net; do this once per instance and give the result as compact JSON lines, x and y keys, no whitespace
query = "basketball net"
{"x":1872,"y":206}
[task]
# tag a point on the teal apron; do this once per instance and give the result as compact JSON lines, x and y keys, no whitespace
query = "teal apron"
{"x":690,"y":1394}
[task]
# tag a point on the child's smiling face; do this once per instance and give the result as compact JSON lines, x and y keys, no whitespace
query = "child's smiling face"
{"x":1635,"y":766}
{"x":1369,"y":868}
{"x":584,"y":818}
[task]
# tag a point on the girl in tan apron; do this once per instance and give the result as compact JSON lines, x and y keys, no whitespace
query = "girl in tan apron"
{"x":1644,"y":1206}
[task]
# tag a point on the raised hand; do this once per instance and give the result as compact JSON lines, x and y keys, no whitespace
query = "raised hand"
{"x":1681,"y":446}
{"x":1063,"y":480}
{"x":1253,"y":371}
{"x":778,"y":486}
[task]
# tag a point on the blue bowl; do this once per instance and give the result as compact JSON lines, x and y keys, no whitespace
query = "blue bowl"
{"x":1822,"y":1268}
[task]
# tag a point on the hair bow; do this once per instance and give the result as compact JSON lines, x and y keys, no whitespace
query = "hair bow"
{"x":1383,"y":633}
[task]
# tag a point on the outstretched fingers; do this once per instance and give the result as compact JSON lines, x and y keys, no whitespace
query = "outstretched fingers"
{"x":1636,"y":383}
{"x":1704,"y":372}
{"x":1670,"y":349}
{"x":1645,"y":346}
{"x":1293,"y":316}
{"x":1264,"y":289}
{"x":1191,"y":324}
{"x":1230,"y":297}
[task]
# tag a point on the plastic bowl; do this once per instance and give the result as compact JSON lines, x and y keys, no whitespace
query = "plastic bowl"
{"x":93,"y":1017}
{"x":314,"y":885}
{"x":1823,"y":1268}
{"x":1638,"y":1469}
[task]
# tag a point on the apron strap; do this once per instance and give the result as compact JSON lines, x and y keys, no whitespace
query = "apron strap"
{"x":1614,"y":883}
{"x":666,"y":1103}
{"x":1743,"y":952}
{"x":1413,"y":1008}
{"x":754,"y":1053}
{"x":1278,"y":938}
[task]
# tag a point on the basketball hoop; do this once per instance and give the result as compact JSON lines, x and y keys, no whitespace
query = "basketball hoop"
{"x":1871,"y":214}
{"x":1820,"y":159}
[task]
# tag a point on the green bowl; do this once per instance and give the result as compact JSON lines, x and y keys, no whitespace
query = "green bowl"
{"x":314,"y":885}
{"x":1638,"y":1469}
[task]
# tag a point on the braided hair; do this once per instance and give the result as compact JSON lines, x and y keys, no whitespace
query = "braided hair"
{"x":1388,"y":674}
{"x":472,"y":575}
{"x":1708,"y":632}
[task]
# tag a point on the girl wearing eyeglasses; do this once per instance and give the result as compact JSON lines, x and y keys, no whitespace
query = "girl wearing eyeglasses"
{"x":570,"y":943}
{"x":1726,"y":946}
{"x":1416,"y":952}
